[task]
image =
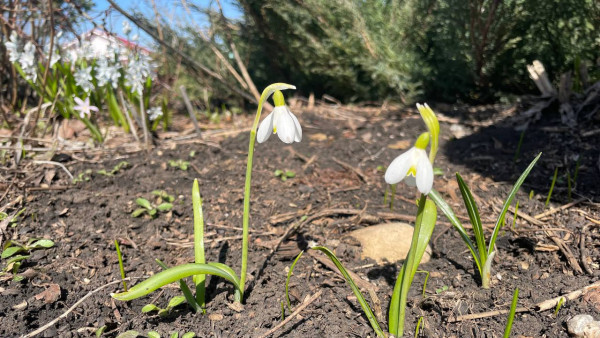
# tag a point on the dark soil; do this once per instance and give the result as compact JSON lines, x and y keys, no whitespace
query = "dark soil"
{"x":86,"y":218}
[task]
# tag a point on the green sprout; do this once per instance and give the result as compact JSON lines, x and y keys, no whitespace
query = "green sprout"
{"x":284,"y":175}
{"x":551,"y":188}
{"x":418,"y":328}
{"x":561,"y":301}
{"x":12,"y":250}
{"x":181,"y":164}
{"x":121,"y":268}
{"x":173,"y":303}
{"x":482,"y":254}
{"x":82,"y":176}
{"x":163,"y":204}
{"x":115,"y":170}
{"x":511,"y":314}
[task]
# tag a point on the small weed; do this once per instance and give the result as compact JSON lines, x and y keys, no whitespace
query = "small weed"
{"x":163,"y":203}
{"x":115,"y":169}
{"x":173,"y":303}
{"x":11,"y":250}
{"x":181,"y":164}
{"x":83,"y":176}
{"x":284,"y":175}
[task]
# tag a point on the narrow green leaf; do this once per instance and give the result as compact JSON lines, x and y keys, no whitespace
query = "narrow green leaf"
{"x":361,"y":299}
{"x":451,"y":216}
{"x":199,"y":280}
{"x":287,"y":280}
{"x":188,"y":335}
{"x":172,"y":275}
{"x":187,"y":293}
{"x":424,"y":225}
{"x":511,"y":315}
{"x":508,"y":201}
{"x":153,"y":334}
{"x":474,"y":217}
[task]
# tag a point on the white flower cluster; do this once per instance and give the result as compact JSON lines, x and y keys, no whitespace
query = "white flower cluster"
{"x":155,"y":113}
{"x":83,"y":78}
{"x":26,"y":59}
{"x":138,"y":70}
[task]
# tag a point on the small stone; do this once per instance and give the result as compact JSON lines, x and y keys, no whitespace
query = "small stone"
{"x":215,"y":317}
{"x":20,"y":306}
{"x":387,"y":242}
{"x":577,"y":324}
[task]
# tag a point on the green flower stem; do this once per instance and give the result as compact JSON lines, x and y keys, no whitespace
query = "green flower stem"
{"x":199,"y":280}
{"x":409,"y":263}
{"x":121,"y":268}
{"x":246,"y":218}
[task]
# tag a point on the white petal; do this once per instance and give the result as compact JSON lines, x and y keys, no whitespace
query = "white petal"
{"x":298,"y":134}
{"x":399,"y":167}
{"x":78,"y":101}
{"x":424,"y":174}
{"x":286,"y":129}
{"x":94,"y":108}
{"x":265,"y":129}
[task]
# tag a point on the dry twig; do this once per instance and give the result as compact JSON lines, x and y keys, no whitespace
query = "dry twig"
{"x":294,"y":314}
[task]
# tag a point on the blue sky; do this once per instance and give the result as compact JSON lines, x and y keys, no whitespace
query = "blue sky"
{"x":172,"y":10}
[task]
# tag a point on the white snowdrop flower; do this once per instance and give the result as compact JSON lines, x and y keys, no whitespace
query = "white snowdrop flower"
{"x":280,"y":121}
{"x":155,"y":113}
{"x":83,"y":78}
{"x":12,"y":46}
{"x":413,"y":167}
{"x":84,"y":108}
{"x":126,"y":27}
{"x":107,"y":73}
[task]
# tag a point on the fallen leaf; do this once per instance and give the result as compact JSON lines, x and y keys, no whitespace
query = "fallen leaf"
{"x":50,"y":295}
{"x":402,"y":144}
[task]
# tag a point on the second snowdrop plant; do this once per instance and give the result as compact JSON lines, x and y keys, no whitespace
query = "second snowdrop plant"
{"x":200,"y":268}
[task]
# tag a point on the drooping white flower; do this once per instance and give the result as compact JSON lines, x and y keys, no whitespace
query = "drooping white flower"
{"x":84,"y":108}
{"x":107,"y":73}
{"x":413,"y":167}
{"x":12,"y":46}
{"x":155,"y":113}
{"x":280,"y":121}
